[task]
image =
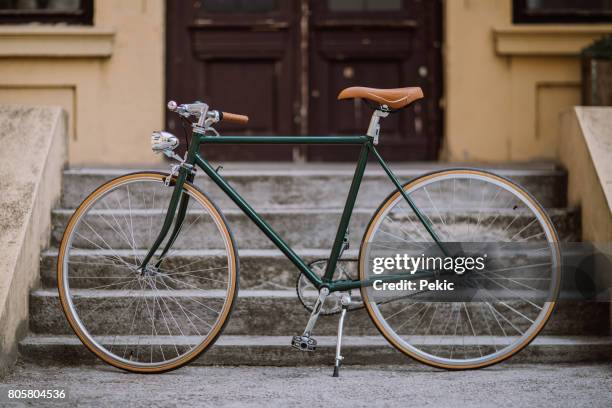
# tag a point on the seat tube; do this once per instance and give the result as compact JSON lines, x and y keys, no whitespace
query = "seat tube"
{"x":347,"y":212}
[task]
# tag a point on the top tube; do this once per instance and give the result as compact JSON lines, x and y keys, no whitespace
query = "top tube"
{"x":346,"y":140}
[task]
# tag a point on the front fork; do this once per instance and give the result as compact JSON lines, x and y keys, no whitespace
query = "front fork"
{"x":178,"y":205}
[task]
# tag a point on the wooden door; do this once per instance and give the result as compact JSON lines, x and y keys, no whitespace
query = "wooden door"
{"x":238,"y":56}
{"x":284,"y":62}
{"x":382,"y":44}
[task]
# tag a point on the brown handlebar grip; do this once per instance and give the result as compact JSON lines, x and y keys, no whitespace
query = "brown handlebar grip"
{"x":232,"y":117}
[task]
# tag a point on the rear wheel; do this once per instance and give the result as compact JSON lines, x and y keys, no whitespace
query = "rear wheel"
{"x":468,"y":208}
{"x":164,"y":317}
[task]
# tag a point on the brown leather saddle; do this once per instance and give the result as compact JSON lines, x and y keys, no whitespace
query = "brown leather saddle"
{"x":396,"y":98}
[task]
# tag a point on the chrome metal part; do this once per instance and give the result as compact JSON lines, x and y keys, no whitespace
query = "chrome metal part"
{"x":374,"y":128}
{"x":305,"y":342}
{"x":346,"y":302}
{"x":316,"y":310}
{"x":161,"y":141}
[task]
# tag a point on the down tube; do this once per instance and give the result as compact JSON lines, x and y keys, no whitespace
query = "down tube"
{"x":260,"y":222}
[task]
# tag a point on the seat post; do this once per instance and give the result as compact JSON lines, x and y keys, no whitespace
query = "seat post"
{"x":374,"y":128}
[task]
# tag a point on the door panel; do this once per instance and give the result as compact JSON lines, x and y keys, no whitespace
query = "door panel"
{"x":256,"y":81}
{"x":244,"y":6}
{"x":364,"y":5}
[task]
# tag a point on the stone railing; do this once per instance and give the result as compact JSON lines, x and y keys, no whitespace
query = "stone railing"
{"x":586,"y":152}
{"x":32,"y":157}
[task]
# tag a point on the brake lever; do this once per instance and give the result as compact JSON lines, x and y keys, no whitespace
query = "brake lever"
{"x":185,"y":111}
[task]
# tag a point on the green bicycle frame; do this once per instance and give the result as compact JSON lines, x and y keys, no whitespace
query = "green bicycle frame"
{"x":179,"y":201}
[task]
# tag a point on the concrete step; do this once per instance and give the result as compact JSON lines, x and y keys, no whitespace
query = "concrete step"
{"x":305,"y":228}
{"x":259,"y":268}
{"x":279,"y":312}
{"x":271,"y":185}
{"x":276,"y":351}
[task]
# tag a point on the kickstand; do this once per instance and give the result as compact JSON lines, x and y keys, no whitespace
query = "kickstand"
{"x":346,"y":301}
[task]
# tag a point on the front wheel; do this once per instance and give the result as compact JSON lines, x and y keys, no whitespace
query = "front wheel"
{"x":161,"y":318}
{"x":465,"y":208}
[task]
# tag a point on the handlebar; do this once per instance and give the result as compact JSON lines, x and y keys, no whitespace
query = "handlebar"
{"x":233,"y":117}
{"x":198,"y":108}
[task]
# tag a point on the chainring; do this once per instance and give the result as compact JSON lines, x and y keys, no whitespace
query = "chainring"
{"x":308,"y":294}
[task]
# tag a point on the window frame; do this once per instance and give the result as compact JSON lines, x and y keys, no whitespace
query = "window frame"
{"x":84,"y":16}
{"x":520,"y":15}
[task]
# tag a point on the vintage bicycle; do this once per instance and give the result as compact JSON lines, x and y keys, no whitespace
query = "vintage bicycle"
{"x":166,"y":267}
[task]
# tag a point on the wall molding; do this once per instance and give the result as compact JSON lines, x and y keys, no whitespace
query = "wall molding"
{"x":546,"y":40}
{"x":56,"y":42}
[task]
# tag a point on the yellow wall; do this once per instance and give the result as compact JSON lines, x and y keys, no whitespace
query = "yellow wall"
{"x":109,"y":78}
{"x":506,"y":84}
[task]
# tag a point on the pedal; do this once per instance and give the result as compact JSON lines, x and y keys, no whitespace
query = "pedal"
{"x":304,"y":343}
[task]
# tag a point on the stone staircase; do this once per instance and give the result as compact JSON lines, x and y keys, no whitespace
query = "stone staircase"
{"x":303,"y":203}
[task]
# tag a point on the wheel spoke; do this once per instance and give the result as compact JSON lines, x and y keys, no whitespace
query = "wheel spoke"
{"x":149,"y":318}
{"x":468,"y":206}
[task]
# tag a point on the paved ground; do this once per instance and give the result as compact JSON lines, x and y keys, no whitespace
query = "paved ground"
{"x":501,"y":386}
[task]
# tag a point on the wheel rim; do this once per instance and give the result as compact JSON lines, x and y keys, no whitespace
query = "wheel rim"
{"x":165,"y":317}
{"x":436,"y":346}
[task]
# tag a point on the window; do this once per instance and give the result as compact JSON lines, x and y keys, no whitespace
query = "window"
{"x":46,"y":11}
{"x":562,"y":11}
